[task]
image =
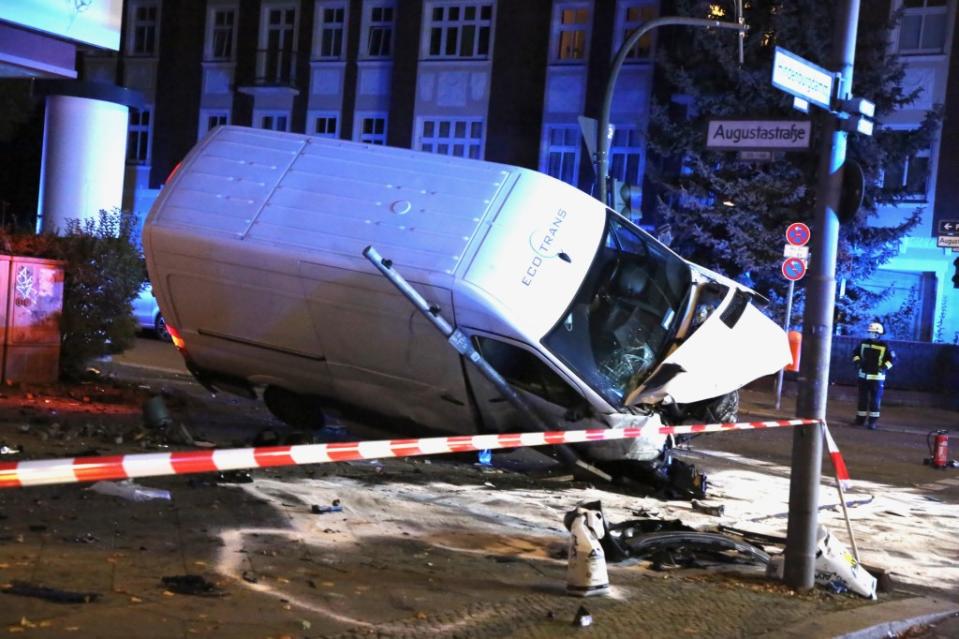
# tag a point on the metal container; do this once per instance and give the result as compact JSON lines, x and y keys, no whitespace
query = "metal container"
{"x":34,"y":300}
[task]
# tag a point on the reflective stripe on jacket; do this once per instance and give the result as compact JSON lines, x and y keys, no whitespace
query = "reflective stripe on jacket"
{"x":874,"y":358}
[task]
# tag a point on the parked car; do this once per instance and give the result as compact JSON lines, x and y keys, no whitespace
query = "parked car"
{"x":148,"y":315}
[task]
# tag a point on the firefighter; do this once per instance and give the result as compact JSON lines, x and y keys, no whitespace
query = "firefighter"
{"x":873,"y":358}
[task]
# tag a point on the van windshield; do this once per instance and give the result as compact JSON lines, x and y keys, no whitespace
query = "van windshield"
{"x":625,"y":314}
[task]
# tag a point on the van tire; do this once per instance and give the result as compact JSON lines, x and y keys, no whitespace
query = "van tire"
{"x":294,"y":409}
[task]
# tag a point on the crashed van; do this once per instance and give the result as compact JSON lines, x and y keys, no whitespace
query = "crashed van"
{"x":255,"y":251}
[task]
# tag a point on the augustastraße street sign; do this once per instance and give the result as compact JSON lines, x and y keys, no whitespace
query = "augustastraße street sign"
{"x":800,"y":77}
{"x":759,"y":135}
{"x":947,"y":241}
{"x":949,"y":227}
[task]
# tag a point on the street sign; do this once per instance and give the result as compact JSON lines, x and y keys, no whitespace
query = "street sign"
{"x":947,"y":241}
{"x":794,"y":268}
{"x":589,"y":127}
{"x":800,"y":77}
{"x":949,"y":227}
{"x":759,"y":135}
{"x":797,"y":233}
{"x":791,"y":250}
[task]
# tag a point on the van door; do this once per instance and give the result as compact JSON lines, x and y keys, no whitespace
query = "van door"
{"x":552,"y":396}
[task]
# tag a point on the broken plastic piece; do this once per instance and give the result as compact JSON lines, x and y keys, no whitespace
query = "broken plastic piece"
{"x":582,"y":618}
{"x":129,"y":490}
{"x":485,"y":457}
{"x":25,"y":589}
{"x":715,"y":511}
{"x":193,"y":585}
{"x":335,"y":507}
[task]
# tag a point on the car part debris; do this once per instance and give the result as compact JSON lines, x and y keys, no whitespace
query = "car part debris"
{"x":836,"y":568}
{"x":586,"y":573}
{"x":155,"y":413}
{"x":669,"y":477}
{"x":129,"y":490}
{"x":700,"y":507}
{"x":234,"y":477}
{"x":26,"y":589}
{"x":335,"y":507}
{"x":196,"y":585}
{"x":10,"y":450}
{"x":582,"y":618}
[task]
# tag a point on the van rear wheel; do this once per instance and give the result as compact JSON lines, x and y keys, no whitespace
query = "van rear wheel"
{"x":294,"y":409}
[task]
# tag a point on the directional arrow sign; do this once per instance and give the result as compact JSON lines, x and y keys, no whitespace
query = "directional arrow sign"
{"x":948,"y":227}
{"x":794,"y":268}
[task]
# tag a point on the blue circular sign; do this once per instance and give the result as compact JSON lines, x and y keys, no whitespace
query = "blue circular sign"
{"x":797,"y":234}
{"x":794,"y":268}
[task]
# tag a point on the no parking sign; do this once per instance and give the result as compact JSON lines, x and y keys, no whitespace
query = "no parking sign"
{"x":794,"y":268}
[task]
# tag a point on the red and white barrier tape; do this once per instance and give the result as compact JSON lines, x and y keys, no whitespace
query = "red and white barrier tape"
{"x":842,"y":474}
{"x":86,"y":469}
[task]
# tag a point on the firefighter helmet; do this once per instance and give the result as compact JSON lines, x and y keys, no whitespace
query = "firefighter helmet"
{"x":875,"y":327}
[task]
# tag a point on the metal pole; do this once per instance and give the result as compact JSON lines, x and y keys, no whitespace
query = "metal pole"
{"x":602,"y":144}
{"x":462,"y":344}
{"x":799,"y":571}
{"x":789,"y":315}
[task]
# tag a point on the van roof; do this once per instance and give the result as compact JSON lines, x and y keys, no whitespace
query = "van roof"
{"x":327,"y":195}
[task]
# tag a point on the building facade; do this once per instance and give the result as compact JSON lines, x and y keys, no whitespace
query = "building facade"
{"x":498,"y":80}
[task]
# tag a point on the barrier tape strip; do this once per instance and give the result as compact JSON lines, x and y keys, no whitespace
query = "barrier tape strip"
{"x":89,"y":469}
{"x":842,"y":473}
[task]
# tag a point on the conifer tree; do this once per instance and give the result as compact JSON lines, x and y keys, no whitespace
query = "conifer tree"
{"x":731,"y":215}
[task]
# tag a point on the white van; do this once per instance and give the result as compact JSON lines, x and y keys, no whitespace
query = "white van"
{"x":254,"y":248}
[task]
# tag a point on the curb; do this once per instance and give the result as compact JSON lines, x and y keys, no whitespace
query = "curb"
{"x":876,"y":621}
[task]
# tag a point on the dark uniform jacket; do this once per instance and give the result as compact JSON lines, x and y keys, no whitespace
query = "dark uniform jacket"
{"x":874,"y":358}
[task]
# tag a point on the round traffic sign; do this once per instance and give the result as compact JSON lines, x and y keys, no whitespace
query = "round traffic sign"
{"x":794,"y":268}
{"x":797,"y":234}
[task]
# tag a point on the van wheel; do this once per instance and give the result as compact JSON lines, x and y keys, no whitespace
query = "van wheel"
{"x":299,"y":411}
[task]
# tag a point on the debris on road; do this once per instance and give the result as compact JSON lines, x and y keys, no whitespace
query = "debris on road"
{"x":586,"y":573}
{"x":836,"y":569}
{"x":335,"y":507}
{"x":234,"y":477}
{"x":55,"y":595}
{"x":129,"y":490}
{"x":196,"y":585}
{"x":700,"y":507}
{"x":582,"y":618}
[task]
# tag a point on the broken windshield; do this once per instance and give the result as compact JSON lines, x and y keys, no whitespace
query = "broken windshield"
{"x":625,"y":314}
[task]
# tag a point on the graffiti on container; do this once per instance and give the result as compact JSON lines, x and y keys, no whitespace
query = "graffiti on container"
{"x":26,"y":292}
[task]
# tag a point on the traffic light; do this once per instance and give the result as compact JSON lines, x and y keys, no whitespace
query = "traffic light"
{"x":955,"y":275}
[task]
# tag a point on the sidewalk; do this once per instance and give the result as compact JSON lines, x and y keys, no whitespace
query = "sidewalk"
{"x":421,"y":549}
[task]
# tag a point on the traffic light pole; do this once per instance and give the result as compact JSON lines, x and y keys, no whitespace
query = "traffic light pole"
{"x":602,"y":141}
{"x":799,"y":571}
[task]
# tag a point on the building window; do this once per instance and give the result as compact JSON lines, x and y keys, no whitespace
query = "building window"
{"x":330,"y":27}
{"x":625,"y":155}
{"x":630,"y":17}
{"x":379,"y":31}
{"x":462,"y":138}
{"x":276,"y":59}
{"x":571,"y":24}
{"x":923,"y":26}
{"x":209,"y":120}
{"x":144,"y":24}
{"x":325,"y":125}
{"x":372,"y":129}
{"x":138,"y":136}
{"x":460,"y":30}
{"x":562,"y":153}
{"x":221,"y":33}
{"x":909,"y":175}
{"x":272,"y":120}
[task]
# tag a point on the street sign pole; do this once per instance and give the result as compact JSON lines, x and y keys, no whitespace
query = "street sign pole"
{"x":789,"y":315}
{"x":799,"y":570}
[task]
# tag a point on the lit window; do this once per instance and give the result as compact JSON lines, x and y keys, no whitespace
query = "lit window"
{"x":379,"y":31}
{"x":562,"y":153}
{"x":274,"y":121}
{"x":462,"y":138}
{"x":923,"y":26}
{"x":144,"y":24}
{"x":138,"y":136}
{"x":372,"y":129}
{"x":460,"y":30}
{"x":330,"y":27}
{"x":625,"y":155}
{"x":571,"y":32}
{"x":632,"y":15}
{"x":221,"y":33}
{"x":325,"y":125}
